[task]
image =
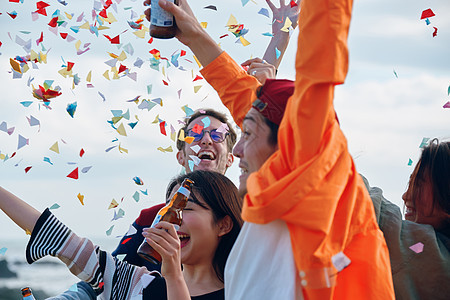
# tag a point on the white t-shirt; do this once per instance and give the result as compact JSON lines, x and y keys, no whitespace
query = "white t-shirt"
{"x":261,"y":264}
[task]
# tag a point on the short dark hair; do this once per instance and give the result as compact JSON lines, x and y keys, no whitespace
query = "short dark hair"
{"x":222,"y":196}
{"x":231,"y":137}
{"x":433,"y":165}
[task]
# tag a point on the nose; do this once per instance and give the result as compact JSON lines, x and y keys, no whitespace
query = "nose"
{"x":405,"y":195}
{"x":206,"y":139}
{"x":237,"y":150}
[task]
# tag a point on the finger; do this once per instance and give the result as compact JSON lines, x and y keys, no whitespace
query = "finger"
{"x":168,"y":227}
{"x":282,"y":3}
{"x":147,"y":13}
{"x":271,"y":6}
{"x":248,"y":62}
{"x":147,"y":2}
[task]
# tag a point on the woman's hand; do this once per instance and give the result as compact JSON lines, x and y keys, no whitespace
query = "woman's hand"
{"x":164,"y":239}
{"x":280,"y":14}
{"x":260,"y":69}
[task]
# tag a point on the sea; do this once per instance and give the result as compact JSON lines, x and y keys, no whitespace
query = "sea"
{"x":48,"y":275}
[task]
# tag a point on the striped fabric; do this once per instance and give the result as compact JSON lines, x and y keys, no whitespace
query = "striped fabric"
{"x":108,"y":276}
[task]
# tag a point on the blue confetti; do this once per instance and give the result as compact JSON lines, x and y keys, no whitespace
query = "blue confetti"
{"x":264,"y":12}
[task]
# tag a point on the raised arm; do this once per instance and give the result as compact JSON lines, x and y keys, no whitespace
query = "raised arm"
{"x":280,"y":38}
{"x":23,"y":214}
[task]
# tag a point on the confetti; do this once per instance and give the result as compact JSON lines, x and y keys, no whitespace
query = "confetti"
{"x":427,"y":13}
{"x":410,"y":162}
{"x":81,"y":198}
{"x":447,"y":105}
{"x":73,"y":174}
{"x":418,"y":248}
{"x":138,"y":180}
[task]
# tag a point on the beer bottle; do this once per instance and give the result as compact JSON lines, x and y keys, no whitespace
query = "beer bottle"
{"x":162,"y":23}
{"x":27,"y":294}
{"x":172,"y":213}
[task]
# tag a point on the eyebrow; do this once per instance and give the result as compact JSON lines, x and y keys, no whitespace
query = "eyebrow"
{"x":249,"y":118}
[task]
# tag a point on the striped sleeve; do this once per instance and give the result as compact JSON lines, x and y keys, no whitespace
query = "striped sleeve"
{"x":109,"y":277}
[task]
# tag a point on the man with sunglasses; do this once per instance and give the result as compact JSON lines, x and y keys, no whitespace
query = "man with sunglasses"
{"x":211,"y":149}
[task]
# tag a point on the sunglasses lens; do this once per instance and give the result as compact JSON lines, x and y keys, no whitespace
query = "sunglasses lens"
{"x":197,"y":136}
{"x":216,"y":136}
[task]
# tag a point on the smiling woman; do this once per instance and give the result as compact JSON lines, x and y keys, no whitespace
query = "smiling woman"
{"x":211,"y":225}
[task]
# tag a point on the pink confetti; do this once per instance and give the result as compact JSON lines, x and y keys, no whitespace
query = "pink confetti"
{"x":418,"y":248}
{"x":447,"y":105}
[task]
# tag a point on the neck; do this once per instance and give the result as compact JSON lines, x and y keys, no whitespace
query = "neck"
{"x":201,"y":279}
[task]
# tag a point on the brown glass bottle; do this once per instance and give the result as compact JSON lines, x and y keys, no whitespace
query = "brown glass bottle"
{"x":171,"y":213}
{"x":163,"y":24}
{"x":27,"y":294}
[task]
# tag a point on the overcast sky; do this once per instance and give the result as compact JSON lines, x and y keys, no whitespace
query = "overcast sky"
{"x":393,"y":97}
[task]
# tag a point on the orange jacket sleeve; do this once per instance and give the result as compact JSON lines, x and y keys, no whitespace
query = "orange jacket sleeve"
{"x":235,"y":87}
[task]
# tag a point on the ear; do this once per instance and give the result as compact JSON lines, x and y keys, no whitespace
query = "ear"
{"x":181,"y":157}
{"x":225,"y":225}
{"x":230,"y":159}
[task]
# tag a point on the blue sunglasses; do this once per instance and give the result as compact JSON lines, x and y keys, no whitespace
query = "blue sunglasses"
{"x":216,"y":136}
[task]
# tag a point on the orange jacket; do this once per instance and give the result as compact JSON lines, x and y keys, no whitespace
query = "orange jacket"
{"x":311,"y":181}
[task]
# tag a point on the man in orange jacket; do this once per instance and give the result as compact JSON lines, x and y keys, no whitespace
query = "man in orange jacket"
{"x":305,"y":184}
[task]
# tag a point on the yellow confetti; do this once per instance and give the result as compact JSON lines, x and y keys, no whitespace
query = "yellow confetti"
{"x":168,"y":149}
{"x":78,"y":45}
{"x":231,"y":21}
{"x":121,"y":130}
{"x":28,"y":232}
{"x":113,"y":204}
{"x":244,"y":41}
{"x":81,"y":198}
{"x":43,"y":57}
{"x":89,"y":76}
{"x":287,"y":24}
{"x":122,"y":56}
{"x":25,"y":68}
{"x":106,"y":74}
{"x":111,"y":18}
{"x":198,"y":62}
{"x":85,"y":25}
{"x":156,"y":120}
{"x":122,"y":149}
{"x":68,"y":16}
{"x":55,"y":147}
{"x":181,"y":135}
{"x":204,"y":24}
{"x":103,"y":27}
{"x":197,"y":88}
{"x":33,"y":55}
{"x":116,"y":119}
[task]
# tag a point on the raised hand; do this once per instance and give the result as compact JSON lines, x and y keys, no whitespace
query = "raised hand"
{"x":260,"y":69}
{"x":285,"y":10}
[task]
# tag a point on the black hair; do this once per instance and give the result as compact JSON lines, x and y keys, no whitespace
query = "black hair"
{"x":221,"y":195}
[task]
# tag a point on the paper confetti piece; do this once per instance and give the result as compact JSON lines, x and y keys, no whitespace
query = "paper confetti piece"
{"x":27,"y":169}
{"x":427,"y":13}
{"x":118,"y":215}
{"x":3,"y":250}
{"x":195,"y":159}
{"x":410,"y":162}
{"x":162,"y":127}
{"x":197,"y":128}
{"x":109,"y":231}
{"x":395,"y":73}
{"x":206,"y":122}
{"x":191,"y":165}
{"x":264,"y":12}
{"x":277,"y":52}
{"x":244,"y":41}
{"x":212,"y":7}
{"x":196,"y":148}
{"x":424,"y":142}
{"x":81,"y":198}
{"x":418,"y":248}
{"x":113,"y":204}
{"x":197,"y":88}
{"x":138,"y":180}
{"x":33,"y":121}
{"x":55,"y":206}
{"x":168,"y":149}
{"x":136,"y":196}
{"x":435,"y":31}
{"x":121,"y":130}
{"x":447,"y":105}
{"x":55,"y":147}
{"x":46,"y":159}
{"x":287,"y":24}
{"x":71,"y":108}
{"x":22,"y":142}
{"x":73,"y":174}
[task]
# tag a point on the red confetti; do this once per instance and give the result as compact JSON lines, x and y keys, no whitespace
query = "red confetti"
{"x":81,"y":152}
{"x":42,"y":11}
{"x":435,"y":31}
{"x":27,"y":169}
{"x":197,"y":128}
{"x":427,"y":13}
{"x":103,"y":14}
{"x":114,"y":40}
{"x":122,"y":68}
{"x":183,"y":53}
{"x":162,"y":127}
{"x":12,"y":15}
{"x":73,"y":174}
{"x":126,"y":241}
{"x":101,"y":284}
{"x":70,"y":66}
{"x":293,"y":3}
{"x":53,"y":22}
{"x":150,"y":40}
{"x":165,"y":82}
{"x":14,"y":154}
{"x":1,"y":44}
{"x":14,"y":1}
{"x":41,"y":39}
{"x":197,"y":78}
{"x":42,"y":4}
{"x":223,"y":36}
{"x":64,"y":35}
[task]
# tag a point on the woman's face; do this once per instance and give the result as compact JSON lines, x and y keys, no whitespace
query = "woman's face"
{"x":198,"y":234}
{"x":422,"y":210}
